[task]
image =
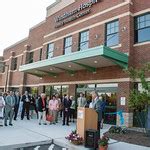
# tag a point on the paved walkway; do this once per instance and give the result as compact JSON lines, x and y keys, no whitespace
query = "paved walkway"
{"x":29,"y":133}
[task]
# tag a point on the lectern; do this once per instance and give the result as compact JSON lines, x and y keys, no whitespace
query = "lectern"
{"x":87,"y":118}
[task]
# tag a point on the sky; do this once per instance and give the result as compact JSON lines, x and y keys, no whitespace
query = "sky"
{"x":17,"y":17}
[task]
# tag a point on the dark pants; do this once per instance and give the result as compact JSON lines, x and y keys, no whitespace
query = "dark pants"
{"x":66,"y":115}
{"x":72,"y":114}
{"x":26,"y":106}
{"x":16,"y":107}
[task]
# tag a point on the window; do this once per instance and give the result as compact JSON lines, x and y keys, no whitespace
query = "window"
{"x":67,"y":45}
{"x":2,"y":67}
{"x":40,"y":58}
{"x":14,"y":64}
{"x":30,"y":60}
{"x":142,"y":28}
{"x":112,"y":33}
{"x":50,"y":50}
{"x":84,"y":40}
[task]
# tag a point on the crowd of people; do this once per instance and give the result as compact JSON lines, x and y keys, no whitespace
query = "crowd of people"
{"x":47,"y":110}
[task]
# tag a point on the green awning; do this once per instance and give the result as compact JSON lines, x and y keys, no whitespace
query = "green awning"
{"x":89,"y":59}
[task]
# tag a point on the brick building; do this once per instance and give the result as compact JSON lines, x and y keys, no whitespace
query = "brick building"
{"x":65,"y":52}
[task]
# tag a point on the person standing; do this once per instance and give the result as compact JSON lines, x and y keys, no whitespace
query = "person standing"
{"x":26,"y":105}
{"x":81,"y":100}
{"x":59,"y":107}
{"x":2,"y":105}
{"x":72,"y":109}
{"x":53,"y":107}
{"x":66,"y":110}
{"x":96,"y":105}
{"x":17,"y":102}
{"x":9,"y":108}
{"x":42,"y":108}
{"x":33,"y":107}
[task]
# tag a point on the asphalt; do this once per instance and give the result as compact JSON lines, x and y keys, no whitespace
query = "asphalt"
{"x":27,"y":134}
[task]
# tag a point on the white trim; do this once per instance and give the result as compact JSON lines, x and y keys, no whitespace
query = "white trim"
{"x":6,"y":60}
{"x":31,"y":85}
{"x":117,"y":46}
{"x":38,"y":48}
{"x":82,"y":82}
{"x":90,"y":17}
{"x":15,"y":86}
{"x":2,"y":86}
{"x":2,"y":73}
{"x":13,"y":70}
{"x":141,"y":12}
{"x":140,"y":44}
{"x":17,"y":56}
{"x":88,"y":27}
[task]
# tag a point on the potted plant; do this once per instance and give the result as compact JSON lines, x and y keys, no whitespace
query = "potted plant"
{"x":75,"y":138}
{"x":103,"y":142}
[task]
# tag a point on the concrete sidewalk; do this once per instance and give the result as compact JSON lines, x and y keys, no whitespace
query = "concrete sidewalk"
{"x":29,"y":133}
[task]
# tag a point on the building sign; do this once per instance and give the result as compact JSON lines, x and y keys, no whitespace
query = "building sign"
{"x":74,"y":14}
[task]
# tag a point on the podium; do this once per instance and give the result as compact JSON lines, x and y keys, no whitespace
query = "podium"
{"x":87,"y":118}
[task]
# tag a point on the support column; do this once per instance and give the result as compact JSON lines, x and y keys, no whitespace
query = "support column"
{"x":41,"y":89}
{"x":122,"y":103}
{"x":72,"y":90}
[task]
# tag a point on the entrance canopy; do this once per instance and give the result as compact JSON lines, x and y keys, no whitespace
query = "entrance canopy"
{"x":89,"y":59}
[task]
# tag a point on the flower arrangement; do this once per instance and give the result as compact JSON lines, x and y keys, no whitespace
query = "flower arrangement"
{"x":75,"y":138}
{"x":103,"y":141}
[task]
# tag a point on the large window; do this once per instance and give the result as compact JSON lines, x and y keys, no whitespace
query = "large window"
{"x":142,"y":28}
{"x":50,"y":50}
{"x":84,"y":40}
{"x":67,"y":45}
{"x":40,"y":57}
{"x":30,"y":59}
{"x":14,"y":63}
{"x":112,"y":33}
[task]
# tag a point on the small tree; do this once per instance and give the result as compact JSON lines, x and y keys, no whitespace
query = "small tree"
{"x":140,"y":100}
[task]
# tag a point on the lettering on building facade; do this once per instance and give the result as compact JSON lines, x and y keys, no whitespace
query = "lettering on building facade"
{"x":82,"y":10}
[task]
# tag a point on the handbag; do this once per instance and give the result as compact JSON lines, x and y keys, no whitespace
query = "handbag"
{"x":49,"y":118}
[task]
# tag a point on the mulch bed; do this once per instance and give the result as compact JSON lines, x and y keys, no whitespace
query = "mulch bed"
{"x":132,"y":137}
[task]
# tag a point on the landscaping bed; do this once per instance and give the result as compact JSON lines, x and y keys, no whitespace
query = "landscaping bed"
{"x":132,"y":137}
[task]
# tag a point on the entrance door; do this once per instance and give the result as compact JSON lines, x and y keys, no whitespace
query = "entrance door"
{"x":108,"y":93}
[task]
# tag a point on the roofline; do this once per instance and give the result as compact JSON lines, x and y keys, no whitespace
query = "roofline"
{"x":11,"y":46}
{"x":53,"y":4}
{"x":37,"y":25}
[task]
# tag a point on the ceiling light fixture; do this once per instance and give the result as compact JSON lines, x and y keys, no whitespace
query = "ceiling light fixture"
{"x":95,"y":62}
{"x":69,"y":66}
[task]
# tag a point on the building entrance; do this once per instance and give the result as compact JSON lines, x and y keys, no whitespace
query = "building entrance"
{"x":108,"y":93}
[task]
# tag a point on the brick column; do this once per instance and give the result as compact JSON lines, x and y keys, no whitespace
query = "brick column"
{"x":24,"y":75}
{"x":123,"y":93}
{"x":41,"y":89}
{"x":72,"y":90}
{"x":8,"y":71}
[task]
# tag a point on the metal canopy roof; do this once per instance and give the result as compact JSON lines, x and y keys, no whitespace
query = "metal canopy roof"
{"x":89,"y":59}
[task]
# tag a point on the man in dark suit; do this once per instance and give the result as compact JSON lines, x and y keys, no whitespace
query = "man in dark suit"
{"x":66,"y":110}
{"x":26,"y":105}
{"x":96,"y":105}
{"x":17,"y":102}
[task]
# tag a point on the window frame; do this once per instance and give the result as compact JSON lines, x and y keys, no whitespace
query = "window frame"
{"x":111,"y":34}
{"x":14,"y":63}
{"x":30,"y":59}
{"x":40,"y":56}
{"x":136,"y":40}
{"x":79,"y":46}
{"x":65,"y":47}
{"x":48,"y":52}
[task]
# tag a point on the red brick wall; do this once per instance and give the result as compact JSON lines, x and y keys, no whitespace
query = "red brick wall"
{"x":36,"y":39}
